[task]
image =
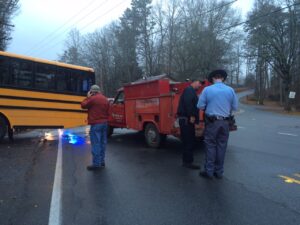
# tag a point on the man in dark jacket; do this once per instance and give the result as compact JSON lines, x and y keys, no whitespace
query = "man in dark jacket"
{"x":97,"y":106}
{"x":188,"y":116}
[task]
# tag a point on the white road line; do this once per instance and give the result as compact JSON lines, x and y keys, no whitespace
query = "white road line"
{"x":55,"y":207}
{"x":288,"y":134}
{"x":241,"y":127}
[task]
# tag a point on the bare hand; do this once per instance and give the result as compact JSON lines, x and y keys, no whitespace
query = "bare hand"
{"x":192,"y":119}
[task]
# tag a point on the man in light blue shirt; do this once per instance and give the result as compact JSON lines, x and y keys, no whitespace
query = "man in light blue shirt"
{"x":218,"y":101}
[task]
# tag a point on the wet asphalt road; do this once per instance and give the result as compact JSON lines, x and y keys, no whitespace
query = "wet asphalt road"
{"x":143,"y":186}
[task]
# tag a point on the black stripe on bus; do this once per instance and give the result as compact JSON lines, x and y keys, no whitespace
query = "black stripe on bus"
{"x":43,"y":91}
{"x":39,"y":99}
{"x":39,"y":127}
{"x":41,"y":109}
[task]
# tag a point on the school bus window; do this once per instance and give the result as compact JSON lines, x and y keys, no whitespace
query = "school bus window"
{"x":61,"y":79}
{"x":73,"y":81}
{"x":25,"y":78}
{"x":22,"y":74}
{"x":4,"y":71}
{"x":91,"y":80}
{"x":80,"y":83}
{"x":45,"y":77}
{"x":15,"y":71}
{"x":85,"y":85}
{"x":14,"y":66}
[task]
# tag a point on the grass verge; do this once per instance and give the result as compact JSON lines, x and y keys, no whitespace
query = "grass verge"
{"x":268,"y":105}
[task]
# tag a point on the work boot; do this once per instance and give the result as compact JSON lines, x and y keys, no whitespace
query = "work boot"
{"x":191,"y":166}
{"x":218,"y":176}
{"x":205,"y":175}
{"x":93,"y":168}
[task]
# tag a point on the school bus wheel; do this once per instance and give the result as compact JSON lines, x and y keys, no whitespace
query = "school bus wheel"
{"x":3,"y":128}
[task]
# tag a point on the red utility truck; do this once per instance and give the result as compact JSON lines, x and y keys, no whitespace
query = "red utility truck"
{"x":150,"y":105}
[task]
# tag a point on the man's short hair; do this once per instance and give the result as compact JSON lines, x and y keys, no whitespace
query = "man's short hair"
{"x":220,"y":73}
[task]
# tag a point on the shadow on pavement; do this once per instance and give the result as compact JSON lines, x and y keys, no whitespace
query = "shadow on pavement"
{"x":136,"y":140}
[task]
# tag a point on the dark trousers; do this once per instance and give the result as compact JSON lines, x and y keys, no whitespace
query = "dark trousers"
{"x":216,"y":138}
{"x":187,"y":131}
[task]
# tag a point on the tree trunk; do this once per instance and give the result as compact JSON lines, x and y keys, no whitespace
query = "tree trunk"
{"x":280,"y":91}
{"x":238,"y":68}
{"x":287,"y":105}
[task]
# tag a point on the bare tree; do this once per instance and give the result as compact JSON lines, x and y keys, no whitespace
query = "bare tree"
{"x":8,"y":9}
{"x":183,"y":38}
{"x":274,"y":36}
{"x":73,"y":52}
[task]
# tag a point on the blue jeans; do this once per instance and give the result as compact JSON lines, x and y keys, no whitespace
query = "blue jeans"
{"x":98,"y":134}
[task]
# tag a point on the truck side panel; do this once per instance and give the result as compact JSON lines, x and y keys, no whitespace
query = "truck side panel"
{"x":131,"y":116}
{"x":147,"y":106}
{"x":146,"y":110}
{"x":147,"y":90}
{"x":166,"y":116}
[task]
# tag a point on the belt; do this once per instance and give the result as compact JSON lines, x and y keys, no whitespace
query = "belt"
{"x":218,"y":117}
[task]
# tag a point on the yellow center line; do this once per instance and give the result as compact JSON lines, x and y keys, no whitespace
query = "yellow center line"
{"x":290,"y":180}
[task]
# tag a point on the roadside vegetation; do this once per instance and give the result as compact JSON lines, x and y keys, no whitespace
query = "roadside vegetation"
{"x":269,"y":105}
{"x":272,"y":52}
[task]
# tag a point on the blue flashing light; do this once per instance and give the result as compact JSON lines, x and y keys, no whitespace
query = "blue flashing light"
{"x":73,"y":138}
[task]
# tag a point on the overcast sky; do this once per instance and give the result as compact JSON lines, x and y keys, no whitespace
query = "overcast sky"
{"x":38,"y":20}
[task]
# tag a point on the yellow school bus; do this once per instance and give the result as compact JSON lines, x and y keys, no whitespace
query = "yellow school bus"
{"x":36,"y":93}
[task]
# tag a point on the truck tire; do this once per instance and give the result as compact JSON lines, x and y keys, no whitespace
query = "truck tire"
{"x":3,"y":128}
{"x":110,"y":131}
{"x":152,"y":136}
